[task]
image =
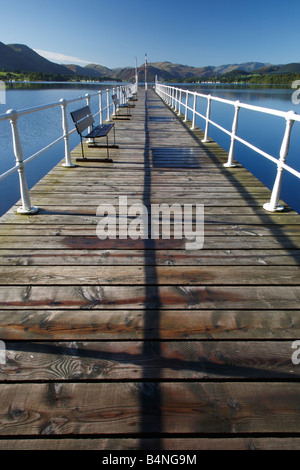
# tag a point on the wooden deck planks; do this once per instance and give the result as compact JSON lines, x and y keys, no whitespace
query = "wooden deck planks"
{"x":141,"y":343}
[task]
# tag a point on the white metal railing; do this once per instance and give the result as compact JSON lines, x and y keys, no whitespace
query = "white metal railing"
{"x":106,"y":109}
{"x":173,"y":97}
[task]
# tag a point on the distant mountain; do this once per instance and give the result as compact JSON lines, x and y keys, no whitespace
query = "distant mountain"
{"x":100,"y":70}
{"x":84,"y":71}
{"x":10,"y":59}
{"x":21,"y":57}
{"x":169,"y":71}
{"x":245,"y":67}
{"x":289,"y":68}
{"x":269,"y":69}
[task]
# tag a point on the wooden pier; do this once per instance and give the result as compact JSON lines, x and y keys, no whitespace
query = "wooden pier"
{"x":142,"y":344}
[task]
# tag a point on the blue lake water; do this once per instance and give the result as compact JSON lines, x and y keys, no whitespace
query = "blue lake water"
{"x":39,"y":129}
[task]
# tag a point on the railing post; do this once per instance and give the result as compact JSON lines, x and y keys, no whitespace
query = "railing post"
{"x":229,"y":163}
{"x":100,"y":109}
{"x":68,"y":163}
{"x":88,"y":102}
{"x":179,"y":104}
{"x":26,"y":208}
{"x":114,"y":106}
{"x":273,"y":205}
{"x":206,"y":138}
{"x":186,"y":106}
{"x":175,"y":99}
{"x":194,"y":112}
{"x":107,"y":102}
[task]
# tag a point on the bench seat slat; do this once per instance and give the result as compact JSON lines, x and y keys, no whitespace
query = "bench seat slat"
{"x":100,"y":131}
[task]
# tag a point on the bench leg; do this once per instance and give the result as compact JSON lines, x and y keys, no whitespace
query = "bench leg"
{"x":107,"y":145}
{"x":122,"y":116}
{"x":112,"y":146}
{"x":96,"y":159}
{"x":82,"y":152}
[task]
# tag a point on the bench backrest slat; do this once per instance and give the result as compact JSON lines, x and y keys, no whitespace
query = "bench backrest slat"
{"x":80,"y":113}
{"x":84,"y":124}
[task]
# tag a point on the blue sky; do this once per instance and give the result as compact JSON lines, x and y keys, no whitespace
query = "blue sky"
{"x":194,"y":32}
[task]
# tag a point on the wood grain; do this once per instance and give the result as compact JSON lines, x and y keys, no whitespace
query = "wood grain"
{"x":211,"y":408}
{"x":136,"y":360}
{"x":191,"y":324}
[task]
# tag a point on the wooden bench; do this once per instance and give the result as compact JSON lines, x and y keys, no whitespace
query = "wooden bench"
{"x":83,"y":119}
{"x":118,"y":106}
{"x":132,"y":95}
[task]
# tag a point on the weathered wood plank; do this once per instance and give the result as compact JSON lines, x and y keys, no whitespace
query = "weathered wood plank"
{"x":127,"y":408}
{"x":124,"y":324}
{"x":69,"y":257}
{"x":78,"y":242}
{"x":132,"y":360}
{"x":209,"y":230}
{"x":150,"y":296}
{"x":87,"y":215}
{"x":159,"y":275}
{"x":159,"y":444}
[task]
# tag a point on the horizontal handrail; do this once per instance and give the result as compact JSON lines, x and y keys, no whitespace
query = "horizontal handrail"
{"x":105,"y":110}
{"x":170,"y":95}
{"x":275,"y":112}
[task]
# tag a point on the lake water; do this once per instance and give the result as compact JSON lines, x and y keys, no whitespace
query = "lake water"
{"x":41,"y":128}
